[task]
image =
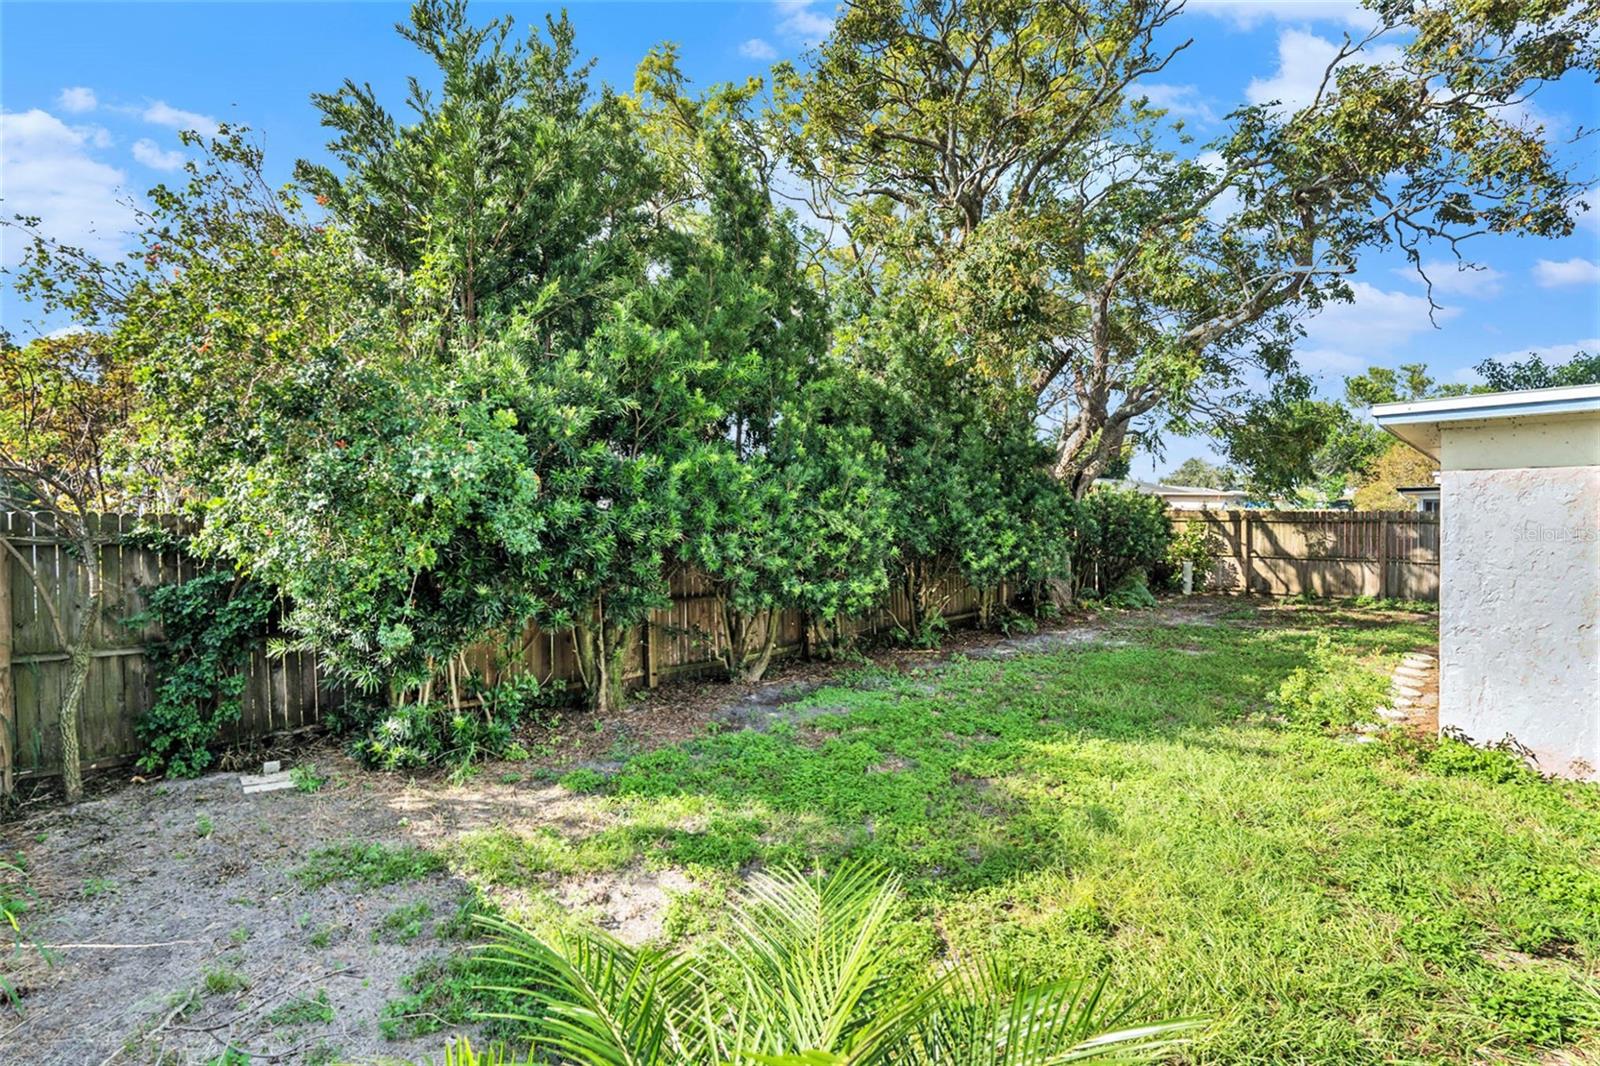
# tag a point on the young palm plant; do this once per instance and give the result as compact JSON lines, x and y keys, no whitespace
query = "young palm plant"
{"x":811,"y":975}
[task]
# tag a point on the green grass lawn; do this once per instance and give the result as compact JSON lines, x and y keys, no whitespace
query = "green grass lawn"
{"x":1139,"y":806}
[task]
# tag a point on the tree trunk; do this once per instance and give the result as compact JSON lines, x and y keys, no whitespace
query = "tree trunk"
{"x":81,"y":658}
{"x":987,"y":596}
{"x":745,"y":662}
{"x":601,"y":652}
{"x":753,"y":661}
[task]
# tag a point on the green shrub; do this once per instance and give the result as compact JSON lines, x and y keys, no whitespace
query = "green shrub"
{"x":1120,"y":532}
{"x":417,"y":735}
{"x":1194,"y":545}
{"x":1454,"y":756}
{"x":1133,"y":593}
{"x":821,"y":964}
{"x":210,"y":623}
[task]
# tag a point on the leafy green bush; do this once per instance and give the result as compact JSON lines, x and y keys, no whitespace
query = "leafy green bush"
{"x":1120,"y":532}
{"x":1133,"y":594}
{"x":210,"y":625}
{"x":415,"y":735}
{"x":1454,"y":756}
{"x":1335,"y":691}
{"x":1191,"y":544}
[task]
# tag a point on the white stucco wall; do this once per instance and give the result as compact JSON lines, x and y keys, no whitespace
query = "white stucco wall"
{"x":1520,"y":597}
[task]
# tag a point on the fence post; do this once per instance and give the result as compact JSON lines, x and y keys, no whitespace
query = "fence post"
{"x":1384,"y":519}
{"x":1247,"y":551}
{"x":8,"y":702}
{"x":1236,"y":520}
{"x":651,"y":655}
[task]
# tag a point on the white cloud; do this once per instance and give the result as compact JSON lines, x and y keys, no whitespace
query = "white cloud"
{"x":1228,"y":204}
{"x":153,"y":155}
{"x":1452,"y":278}
{"x":162,"y":113}
{"x":1347,"y":336}
{"x":98,"y":136}
{"x":46,"y":170}
{"x":756,"y":48}
{"x":1180,"y":101}
{"x":1342,"y":362}
{"x":1303,"y":59}
{"x":77,"y":100}
{"x":802,"y":21}
{"x":1554,"y":273}
{"x":1248,"y":14}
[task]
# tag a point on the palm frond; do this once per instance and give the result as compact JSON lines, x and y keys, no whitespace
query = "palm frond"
{"x":815,"y":953}
{"x":461,"y":1053}
{"x":817,"y":982}
{"x":599,"y":1001}
{"x":984,"y":1016}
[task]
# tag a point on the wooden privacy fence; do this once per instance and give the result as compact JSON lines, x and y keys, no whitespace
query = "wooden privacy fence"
{"x":1323,"y":553}
{"x":281,"y":694}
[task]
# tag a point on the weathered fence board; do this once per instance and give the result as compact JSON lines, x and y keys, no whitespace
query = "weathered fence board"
{"x":1323,"y":553}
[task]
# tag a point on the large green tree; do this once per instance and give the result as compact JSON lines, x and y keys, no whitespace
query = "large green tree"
{"x":1100,"y":265}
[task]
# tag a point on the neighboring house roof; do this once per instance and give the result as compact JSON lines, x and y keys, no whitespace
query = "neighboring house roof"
{"x":1156,"y":488}
{"x":1417,"y":490}
{"x":1417,"y":422}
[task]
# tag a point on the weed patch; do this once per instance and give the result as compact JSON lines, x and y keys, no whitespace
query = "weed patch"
{"x":369,"y":865}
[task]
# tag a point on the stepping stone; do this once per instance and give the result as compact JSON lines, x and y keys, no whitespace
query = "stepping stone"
{"x":1412,"y":671}
{"x":1401,"y":702}
{"x":1390,"y":714}
{"x":1407,"y":690}
{"x":273,"y":778}
{"x":251,"y":784}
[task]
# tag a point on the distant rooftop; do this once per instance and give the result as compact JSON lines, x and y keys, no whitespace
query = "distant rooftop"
{"x":1159,"y":488}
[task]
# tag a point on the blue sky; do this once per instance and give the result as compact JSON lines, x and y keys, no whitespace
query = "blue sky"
{"x":93,"y":96}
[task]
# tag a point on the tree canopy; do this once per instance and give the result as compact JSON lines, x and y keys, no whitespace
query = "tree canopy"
{"x":1098,"y":266}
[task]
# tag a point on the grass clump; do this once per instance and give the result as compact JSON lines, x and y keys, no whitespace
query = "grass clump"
{"x":1539,"y":1007}
{"x":306,"y":779}
{"x":1333,"y":691}
{"x":369,"y":865}
{"x":303,"y":1010}
{"x":223,"y":980}
{"x":405,"y":923}
{"x":452,"y":991}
